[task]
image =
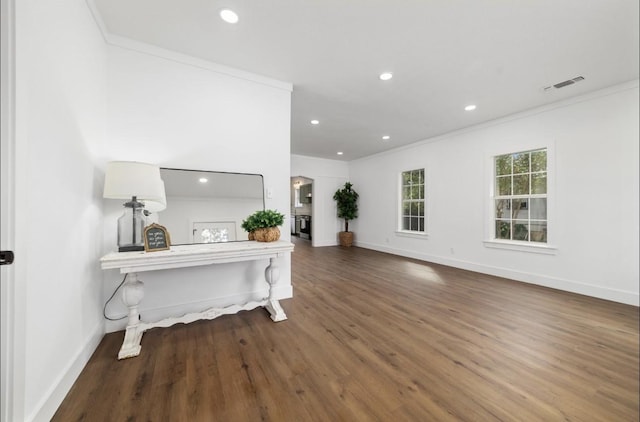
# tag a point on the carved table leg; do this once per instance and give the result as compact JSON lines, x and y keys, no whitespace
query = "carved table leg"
{"x":272,"y":274}
{"x":132,"y":294}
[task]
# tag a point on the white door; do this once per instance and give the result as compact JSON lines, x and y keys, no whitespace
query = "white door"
{"x":8,"y":376}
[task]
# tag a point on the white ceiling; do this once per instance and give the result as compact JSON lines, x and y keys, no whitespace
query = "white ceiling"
{"x":444,"y":55}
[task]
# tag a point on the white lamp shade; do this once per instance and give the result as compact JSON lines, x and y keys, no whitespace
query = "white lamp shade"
{"x":156,"y":205}
{"x":126,"y":179}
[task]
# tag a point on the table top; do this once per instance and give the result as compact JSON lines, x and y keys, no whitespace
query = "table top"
{"x":179,"y":256}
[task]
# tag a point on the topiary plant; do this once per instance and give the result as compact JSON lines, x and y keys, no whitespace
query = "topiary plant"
{"x":347,"y":200}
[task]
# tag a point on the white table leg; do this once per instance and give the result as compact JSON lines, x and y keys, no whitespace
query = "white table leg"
{"x":272,"y":274}
{"x":132,"y":294}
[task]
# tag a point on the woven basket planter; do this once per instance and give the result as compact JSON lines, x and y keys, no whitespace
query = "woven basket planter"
{"x":346,"y":239}
{"x":270,"y":234}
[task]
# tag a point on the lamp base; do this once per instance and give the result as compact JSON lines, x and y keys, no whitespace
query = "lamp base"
{"x":131,"y":227}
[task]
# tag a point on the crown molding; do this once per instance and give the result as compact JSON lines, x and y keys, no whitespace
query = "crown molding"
{"x":144,"y":48}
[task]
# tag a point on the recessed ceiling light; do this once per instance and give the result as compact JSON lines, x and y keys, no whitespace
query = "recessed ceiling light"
{"x":386,"y":137}
{"x":386,"y":76}
{"x":470,"y":107}
{"x":203,"y":180}
{"x":315,"y":122}
{"x":340,"y":152}
{"x":229,"y":16}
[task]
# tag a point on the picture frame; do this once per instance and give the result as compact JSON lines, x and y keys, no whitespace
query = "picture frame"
{"x":156,"y":238}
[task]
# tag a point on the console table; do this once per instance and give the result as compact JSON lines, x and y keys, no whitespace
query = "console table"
{"x":132,"y":263}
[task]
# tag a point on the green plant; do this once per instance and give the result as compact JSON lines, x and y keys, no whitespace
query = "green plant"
{"x":262,"y":220}
{"x":347,"y":201}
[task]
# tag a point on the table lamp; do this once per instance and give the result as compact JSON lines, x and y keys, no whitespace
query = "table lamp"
{"x":141,"y":185}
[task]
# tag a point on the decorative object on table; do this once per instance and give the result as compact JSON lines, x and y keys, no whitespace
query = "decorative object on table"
{"x":141,"y":185}
{"x":156,"y":238}
{"x":263,"y":225}
{"x":347,"y":201}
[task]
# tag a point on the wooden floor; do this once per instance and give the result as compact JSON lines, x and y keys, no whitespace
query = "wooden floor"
{"x":375,"y":337}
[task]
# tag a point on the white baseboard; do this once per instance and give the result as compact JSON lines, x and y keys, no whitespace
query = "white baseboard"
{"x":49,"y":404}
{"x":627,"y":297}
{"x":325,"y":243}
{"x":161,"y":312}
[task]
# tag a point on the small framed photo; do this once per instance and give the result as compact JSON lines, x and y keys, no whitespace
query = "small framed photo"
{"x":156,"y":238}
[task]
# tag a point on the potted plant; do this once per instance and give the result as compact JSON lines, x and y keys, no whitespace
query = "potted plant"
{"x":263,"y":225}
{"x":347,"y":201}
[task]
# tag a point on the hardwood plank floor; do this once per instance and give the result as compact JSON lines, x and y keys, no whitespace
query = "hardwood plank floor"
{"x":375,"y":337}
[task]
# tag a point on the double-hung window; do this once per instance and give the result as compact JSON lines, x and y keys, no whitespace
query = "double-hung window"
{"x":520,"y":196}
{"x":412,"y":204}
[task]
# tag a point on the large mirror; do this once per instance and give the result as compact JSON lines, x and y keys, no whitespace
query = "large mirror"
{"x":209,"y":206}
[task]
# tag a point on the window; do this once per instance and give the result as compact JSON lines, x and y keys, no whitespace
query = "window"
{"x":413,"y":202}
{"x":296,"y":193}
{"x":520,"y":196}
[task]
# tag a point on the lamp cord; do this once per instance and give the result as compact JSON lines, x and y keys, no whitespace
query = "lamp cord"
{"x":104,"y":310}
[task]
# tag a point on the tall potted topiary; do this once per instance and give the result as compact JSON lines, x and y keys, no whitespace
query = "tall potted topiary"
{"x":347,"y":201}
{"x":263,"y":225}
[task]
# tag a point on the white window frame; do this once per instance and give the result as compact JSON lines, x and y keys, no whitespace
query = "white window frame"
{"x":412,"y":233}
{"x":490,"y":240}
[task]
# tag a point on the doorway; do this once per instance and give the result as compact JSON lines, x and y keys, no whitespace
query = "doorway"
{"x":302,"y":207}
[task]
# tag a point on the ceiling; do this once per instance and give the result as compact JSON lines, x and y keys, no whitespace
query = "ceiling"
{"x":444,"y":55}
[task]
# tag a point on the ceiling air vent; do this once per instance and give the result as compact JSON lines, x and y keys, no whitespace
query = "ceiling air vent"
{"x":564,"y":83}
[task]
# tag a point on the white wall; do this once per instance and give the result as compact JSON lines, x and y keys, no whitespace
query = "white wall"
{"x":593,"y":204}
{"x":179,"y":112}
{"x":60,"y":114}
{"x":72,"y":90}
{"x":328,"y":176}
